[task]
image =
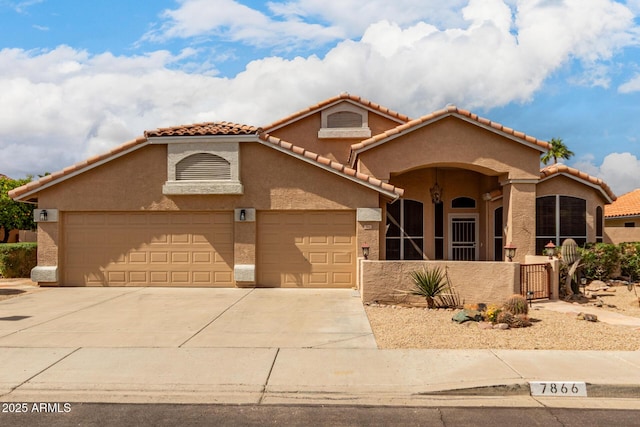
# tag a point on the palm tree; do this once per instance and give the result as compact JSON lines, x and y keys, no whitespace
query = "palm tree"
{"x":557,"y":151}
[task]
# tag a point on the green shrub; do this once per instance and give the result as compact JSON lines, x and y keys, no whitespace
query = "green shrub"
{"x":630,"y":260}
{"x":17,"y":259}
{"x":599,"y":260}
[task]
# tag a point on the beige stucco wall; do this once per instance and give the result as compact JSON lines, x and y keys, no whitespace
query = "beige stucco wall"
{"x":451,"y":142}
{"x":621,"y":234}
{"x":304,"y":133}
{"x":272,"y":181}
{"x":491,"y":282}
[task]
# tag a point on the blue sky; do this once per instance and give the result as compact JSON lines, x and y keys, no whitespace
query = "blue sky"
{"x":77,"y":78}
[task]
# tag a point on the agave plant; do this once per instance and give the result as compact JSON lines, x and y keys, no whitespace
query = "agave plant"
{"x":429,"y":283}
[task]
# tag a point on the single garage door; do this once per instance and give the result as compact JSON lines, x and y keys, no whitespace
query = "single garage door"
{"x":306,"y":249}
{"x":148,"y":249}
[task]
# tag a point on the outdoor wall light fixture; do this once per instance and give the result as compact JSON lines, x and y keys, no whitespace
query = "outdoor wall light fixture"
{"x":43,"y":215}
{"x":550,"y":249}
{"x":365,"y":250}
{"x":510,"y":251}
{"x":243,"y":215}
{"x":436,"y":191}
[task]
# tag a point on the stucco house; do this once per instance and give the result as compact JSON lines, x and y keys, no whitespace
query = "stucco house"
{"x":293,"y":203}
{"x":622,"y":218}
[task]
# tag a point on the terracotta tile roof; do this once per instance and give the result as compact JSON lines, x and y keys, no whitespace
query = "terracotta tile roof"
{"x":339,"y":168}
{"x":204,"y":129}
{"x":559,"y":168}
{"x":76,"y":168}
{"x":198,"y":129}
{"x":626,"y":205}
{"x":327,"y":102}
{"x":448,"y":111}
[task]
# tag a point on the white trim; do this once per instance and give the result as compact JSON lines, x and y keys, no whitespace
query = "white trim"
{"x":369,"y":214}
{"x":44,"y":274}
{"x":520,"y":181}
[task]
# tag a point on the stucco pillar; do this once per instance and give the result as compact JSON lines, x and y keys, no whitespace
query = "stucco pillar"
{"x":244,"y":246}
{"x":369,"y":220}
{"x":46,"y":272}
{"x":519,"y":203}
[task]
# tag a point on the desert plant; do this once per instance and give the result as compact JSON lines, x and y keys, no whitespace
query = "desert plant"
{"x":504,"y":317}
{"x":492,"y":312}
{"x":429,"y":283}
{"x":516,"y":304}
{"x":520,"y":321}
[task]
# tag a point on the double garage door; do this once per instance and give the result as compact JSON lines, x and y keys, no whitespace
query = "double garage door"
{"x":148,"y":249}
{"x":294,"y":249}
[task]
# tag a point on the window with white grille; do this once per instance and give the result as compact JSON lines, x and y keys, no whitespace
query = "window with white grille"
{"x":203,"y":167}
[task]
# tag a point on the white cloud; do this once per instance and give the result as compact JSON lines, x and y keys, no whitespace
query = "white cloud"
{"x":630,"y":86}
{"x":63,"y":105}
{"x":618,"y":170}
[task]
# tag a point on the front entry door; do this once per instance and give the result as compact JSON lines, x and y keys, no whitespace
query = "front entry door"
{"x":463,"y":236}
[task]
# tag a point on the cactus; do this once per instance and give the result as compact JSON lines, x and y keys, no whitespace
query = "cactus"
{"x":504,"y":317}
{"x":520,"y":321}
{"x":516,"y":304}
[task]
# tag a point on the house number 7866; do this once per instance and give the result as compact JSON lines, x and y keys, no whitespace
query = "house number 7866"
{"x":558,"y":388}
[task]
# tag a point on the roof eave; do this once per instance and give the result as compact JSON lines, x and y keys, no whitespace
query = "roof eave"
{"x":595,"y":186}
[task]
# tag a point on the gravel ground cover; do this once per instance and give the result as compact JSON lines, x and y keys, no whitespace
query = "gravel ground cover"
{"x":415,"y":327}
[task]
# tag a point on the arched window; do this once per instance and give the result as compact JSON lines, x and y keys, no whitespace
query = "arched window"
{"x":405,"y":236}
{"x":463,"y":203}
{"x":559,"y":218}
{"x":203,"y":167}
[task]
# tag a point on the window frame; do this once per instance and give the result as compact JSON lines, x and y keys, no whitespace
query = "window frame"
{"x":403,"y":237}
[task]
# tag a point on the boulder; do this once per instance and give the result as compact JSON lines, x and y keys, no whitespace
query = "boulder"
{"x":467,"y":315}
{"x":485,"y":325}
{"x":501,"y":326}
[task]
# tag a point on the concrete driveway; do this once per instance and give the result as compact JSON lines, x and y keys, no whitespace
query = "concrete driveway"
{"x":186,"y":317}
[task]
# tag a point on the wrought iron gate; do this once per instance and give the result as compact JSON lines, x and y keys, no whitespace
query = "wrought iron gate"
{"x":535,"y":278}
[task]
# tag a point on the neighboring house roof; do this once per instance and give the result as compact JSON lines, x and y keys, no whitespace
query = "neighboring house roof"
{"x":400,"y":118}
{"x":412,"y":125}
{"x":626,"y":205}
{"x":332,"y":166}
{"x":560,"y":169}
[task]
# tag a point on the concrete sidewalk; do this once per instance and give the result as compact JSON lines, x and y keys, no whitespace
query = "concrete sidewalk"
{"x":316,"y":376}
{"x":265,"y":346}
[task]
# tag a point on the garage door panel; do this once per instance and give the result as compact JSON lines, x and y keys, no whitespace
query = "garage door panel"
{"x":154,"y":249}
{"x":299,"y":248}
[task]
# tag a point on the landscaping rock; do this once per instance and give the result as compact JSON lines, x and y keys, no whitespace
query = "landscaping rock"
{"x":501,"y":326}
{"x":485,"y":325}
{"x":467,"y":315}
{"x":587,"y":316}
{"x":597,"y":285}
